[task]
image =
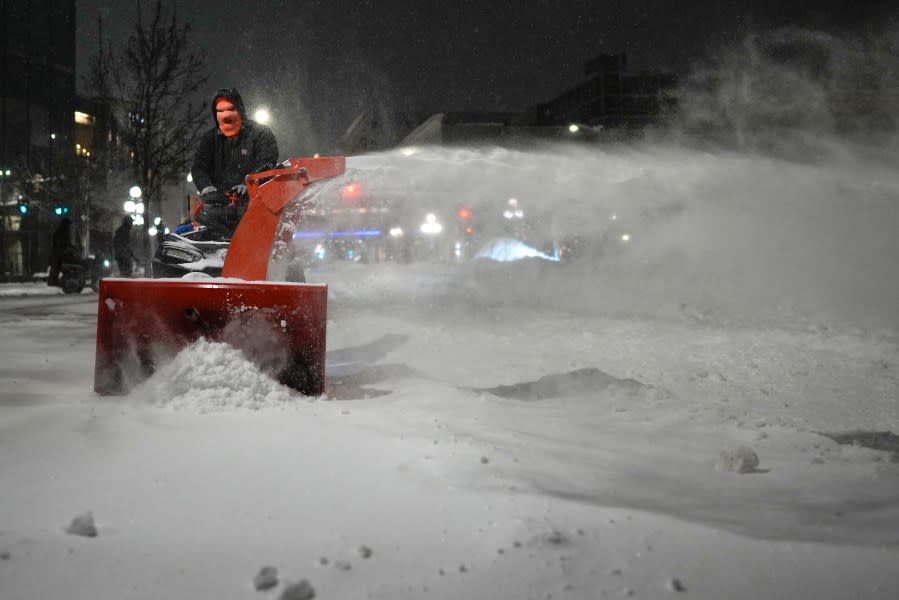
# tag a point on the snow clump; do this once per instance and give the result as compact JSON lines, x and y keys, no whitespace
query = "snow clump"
{"x":739,"y":460}
{"x":83,"y":525}
{"x":266,"y":578}
{"x":298,"y":591}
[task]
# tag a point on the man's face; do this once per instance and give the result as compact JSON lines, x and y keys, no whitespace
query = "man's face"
{"x":227,"y":116}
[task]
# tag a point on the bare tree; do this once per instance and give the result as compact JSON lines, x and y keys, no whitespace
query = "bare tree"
{"x":151,"y":86}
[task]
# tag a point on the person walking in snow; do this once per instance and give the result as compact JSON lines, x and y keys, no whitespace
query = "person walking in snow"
{"x":226,"y":153}
{"x":62,"y":250}
{"x":121,"y":247}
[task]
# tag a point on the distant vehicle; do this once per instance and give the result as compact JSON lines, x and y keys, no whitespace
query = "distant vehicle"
{"x":75,"y":276}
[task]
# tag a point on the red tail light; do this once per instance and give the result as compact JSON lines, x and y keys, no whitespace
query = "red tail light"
{"x":351,"y":191}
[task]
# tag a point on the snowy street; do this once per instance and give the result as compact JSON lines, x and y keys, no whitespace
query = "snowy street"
{"x":699,"y":416}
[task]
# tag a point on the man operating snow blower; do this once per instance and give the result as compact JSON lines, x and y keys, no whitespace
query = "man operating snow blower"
{"x":234,"y":147}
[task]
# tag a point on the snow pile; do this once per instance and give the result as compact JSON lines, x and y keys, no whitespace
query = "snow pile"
{"x":39,"y":288}
{"x":302,"y":590}
{"x":83,"y":525}
{"x":209,"y":376}
{"x":266,"y":579}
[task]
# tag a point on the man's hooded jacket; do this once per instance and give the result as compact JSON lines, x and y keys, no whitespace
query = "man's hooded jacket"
{"x":223,"y":162}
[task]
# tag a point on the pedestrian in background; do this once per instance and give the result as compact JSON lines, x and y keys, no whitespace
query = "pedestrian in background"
{"x":62,"y":250}
{"x":121,"y":247}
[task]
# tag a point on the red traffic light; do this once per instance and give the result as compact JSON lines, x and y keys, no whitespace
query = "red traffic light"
{"x":463,"y":213}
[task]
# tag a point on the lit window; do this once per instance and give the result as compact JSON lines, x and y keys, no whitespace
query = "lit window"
{"x":83,"y":118}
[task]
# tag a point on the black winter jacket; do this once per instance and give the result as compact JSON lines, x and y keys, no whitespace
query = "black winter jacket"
{"x":121,"y":242}
{"x":224,"y":162}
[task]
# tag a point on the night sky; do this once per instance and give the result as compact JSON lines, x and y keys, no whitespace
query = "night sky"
{"x":318,"y":64}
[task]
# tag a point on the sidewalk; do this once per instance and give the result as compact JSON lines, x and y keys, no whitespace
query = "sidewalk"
{"x":38,"y":288}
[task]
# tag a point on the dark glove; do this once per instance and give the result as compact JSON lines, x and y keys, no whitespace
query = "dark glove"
{"x":212,"y":197}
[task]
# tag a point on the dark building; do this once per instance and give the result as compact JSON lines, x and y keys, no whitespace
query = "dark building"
{"x":609,"y":104}
{"x":37,"y":96}
{"x":611,"y":97}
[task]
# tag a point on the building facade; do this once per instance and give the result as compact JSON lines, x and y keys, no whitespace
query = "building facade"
{"x":610,"y":97}
{"x":37,"y":97}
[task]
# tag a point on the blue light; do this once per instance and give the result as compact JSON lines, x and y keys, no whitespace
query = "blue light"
{"x":509,"y":250}
{"x":358,"y":233}
{"x":23,"y":208}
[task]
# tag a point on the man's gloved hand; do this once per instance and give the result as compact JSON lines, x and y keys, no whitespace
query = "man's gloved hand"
{"x":240,"y":189}
{"x":212,"y":197}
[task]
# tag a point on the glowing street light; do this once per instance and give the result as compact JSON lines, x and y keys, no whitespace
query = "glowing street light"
{"x":431,"y":225}
{"x":262,"y":115}
{"x":158,"y":227}
{"x":514,"y":210}
{"x":134,"y":206}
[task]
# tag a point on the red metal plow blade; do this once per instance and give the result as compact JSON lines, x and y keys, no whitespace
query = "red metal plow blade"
{"x":141,"y":323}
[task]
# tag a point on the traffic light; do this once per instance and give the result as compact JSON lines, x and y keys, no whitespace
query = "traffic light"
{"x":465,"y":215}
{"x":60,"y":209}
{"x":23,"y":207}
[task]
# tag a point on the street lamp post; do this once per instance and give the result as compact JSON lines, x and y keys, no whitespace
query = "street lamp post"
{"x":134,"y":206}
{"x":4,"y":174}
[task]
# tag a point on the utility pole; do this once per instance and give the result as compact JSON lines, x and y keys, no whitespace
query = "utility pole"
{"x":4,"y":269}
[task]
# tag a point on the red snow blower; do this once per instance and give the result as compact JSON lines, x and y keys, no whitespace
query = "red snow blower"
{"x":279,"y":326}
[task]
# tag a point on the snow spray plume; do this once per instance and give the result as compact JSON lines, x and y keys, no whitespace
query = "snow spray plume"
{"x":713,"y":236}
{"x":796,"y":93}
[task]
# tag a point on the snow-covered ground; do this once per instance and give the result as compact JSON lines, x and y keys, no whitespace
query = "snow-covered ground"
{"x":525,"y":430}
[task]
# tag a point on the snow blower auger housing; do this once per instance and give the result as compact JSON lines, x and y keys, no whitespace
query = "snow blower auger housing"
{"x":279,"y":326}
